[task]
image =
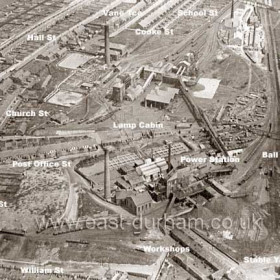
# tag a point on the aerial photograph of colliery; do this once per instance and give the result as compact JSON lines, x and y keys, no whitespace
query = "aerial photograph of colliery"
{"x":140,"y":139}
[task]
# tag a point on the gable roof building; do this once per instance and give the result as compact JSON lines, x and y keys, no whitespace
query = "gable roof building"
{"x":139,"y":203}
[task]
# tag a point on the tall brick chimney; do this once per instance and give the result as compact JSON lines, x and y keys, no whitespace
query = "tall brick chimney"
{"x":169,"y":157}
{"x":107,"y":45}
{"x":107,"y":187}
{"x":232,"y":9}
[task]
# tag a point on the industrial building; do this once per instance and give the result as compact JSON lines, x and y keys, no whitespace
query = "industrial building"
{"x":118,"y":92}
{"x":160,"y":98}
{"x":60,"y":118}
{"x":152,"y":170}
{"x":138,"y":204}
{"x":133,"y":92}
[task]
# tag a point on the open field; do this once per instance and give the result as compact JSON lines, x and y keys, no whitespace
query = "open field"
{"x":74,"y":60}
{"x":67,"y":99}
{"x":210,"y":88}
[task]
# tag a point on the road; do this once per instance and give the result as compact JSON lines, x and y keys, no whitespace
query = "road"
{"x":71,"y":210}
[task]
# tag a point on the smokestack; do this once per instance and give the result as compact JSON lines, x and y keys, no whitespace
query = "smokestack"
{"x":169,"y":157}
{"x":107,"y":44}
{"x":107,"y":188}
{"x":232,"y":9}
{"x":254,"y":35}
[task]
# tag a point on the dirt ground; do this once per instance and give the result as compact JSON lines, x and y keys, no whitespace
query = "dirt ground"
{"x":88,"y":208}
{"x":42,"y":193}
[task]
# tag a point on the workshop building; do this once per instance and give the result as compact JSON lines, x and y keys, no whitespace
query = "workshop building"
{"x":139,"y":203}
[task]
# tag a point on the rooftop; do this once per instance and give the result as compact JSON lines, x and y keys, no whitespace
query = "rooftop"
{"x":141,"y":198}
{"x":162,"y":96}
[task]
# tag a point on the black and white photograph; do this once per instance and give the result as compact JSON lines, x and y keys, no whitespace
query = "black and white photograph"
{"x":140,"y":139}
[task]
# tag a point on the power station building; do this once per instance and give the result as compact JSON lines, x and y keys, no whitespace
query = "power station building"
{"x":152,"y":170}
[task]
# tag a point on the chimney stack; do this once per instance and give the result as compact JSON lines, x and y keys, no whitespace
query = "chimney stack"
{"x":107,"y":44}
{"x":107,"y":187}
{"x":254,"y":35}
{"x":232,"y":9}
{"x":169,"y":157}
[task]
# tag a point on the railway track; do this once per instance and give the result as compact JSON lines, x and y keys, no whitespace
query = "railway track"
{"x":274,"y":180}
{"x":201,"y":118}
{"x":276,"y":78}
{"x":198,"y":33}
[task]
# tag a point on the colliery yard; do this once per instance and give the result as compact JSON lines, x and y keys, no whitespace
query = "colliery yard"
{"x":139,"y":139}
